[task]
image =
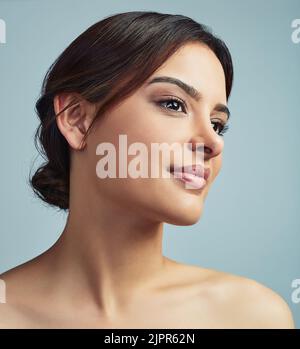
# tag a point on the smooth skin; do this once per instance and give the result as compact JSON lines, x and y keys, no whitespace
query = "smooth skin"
{"x":107,"y":269}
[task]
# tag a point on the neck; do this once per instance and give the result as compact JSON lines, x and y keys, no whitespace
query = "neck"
{"x":109,"y":252}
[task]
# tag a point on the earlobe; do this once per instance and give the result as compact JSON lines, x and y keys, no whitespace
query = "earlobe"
{"x":72,"y":122}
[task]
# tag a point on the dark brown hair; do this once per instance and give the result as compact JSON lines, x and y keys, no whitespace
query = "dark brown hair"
{"x":104,"y":65}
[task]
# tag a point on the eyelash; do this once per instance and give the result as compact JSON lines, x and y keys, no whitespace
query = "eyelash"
{"x":224,"y":127}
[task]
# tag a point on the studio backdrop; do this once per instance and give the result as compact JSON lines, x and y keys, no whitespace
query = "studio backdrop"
{"x":251,"y":221}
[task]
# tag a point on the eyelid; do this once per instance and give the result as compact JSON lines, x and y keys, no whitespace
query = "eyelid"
{"x":220,"y":118}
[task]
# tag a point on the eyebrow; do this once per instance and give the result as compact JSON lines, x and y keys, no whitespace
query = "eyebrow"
{"x":190,"y":90}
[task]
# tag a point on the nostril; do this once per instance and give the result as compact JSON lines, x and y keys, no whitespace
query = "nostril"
{"x":171,"y":168}
{"x":207,"y":150}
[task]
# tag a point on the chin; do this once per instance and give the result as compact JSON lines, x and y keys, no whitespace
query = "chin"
{"x":187,"y":214}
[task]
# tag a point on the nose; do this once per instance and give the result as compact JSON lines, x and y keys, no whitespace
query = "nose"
{"x":207,"y":140}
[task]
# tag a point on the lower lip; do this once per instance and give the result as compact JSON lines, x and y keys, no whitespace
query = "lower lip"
{"x":191,"y":181}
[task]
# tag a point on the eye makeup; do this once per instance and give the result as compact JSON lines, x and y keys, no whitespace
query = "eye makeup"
{"x":166,"y":103}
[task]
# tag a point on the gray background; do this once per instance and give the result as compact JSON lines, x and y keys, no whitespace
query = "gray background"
{"x":250,"y":225}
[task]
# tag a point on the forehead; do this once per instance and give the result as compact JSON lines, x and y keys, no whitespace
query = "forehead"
{"x":197,"y":65}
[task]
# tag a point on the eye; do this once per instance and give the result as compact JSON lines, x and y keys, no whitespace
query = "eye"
{"x":220,"y":127}
{"x":173,"y":102}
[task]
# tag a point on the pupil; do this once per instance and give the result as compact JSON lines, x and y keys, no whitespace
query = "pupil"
{"x":174,"y":102}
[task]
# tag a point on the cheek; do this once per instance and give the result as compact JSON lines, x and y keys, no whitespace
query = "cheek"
{"x":135,"y":119}
{"x":144,"y":128}
{"x":141,"y":123}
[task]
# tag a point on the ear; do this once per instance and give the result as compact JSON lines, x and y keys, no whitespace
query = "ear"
{"x":75,"y":120}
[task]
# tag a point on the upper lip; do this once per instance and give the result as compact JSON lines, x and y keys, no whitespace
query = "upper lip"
{"x":197,"y":170}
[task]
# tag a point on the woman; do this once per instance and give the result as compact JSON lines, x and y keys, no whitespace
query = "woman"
{"x":154,"y":78}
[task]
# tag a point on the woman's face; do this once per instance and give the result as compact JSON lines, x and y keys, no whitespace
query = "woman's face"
{"x":146,"y":117}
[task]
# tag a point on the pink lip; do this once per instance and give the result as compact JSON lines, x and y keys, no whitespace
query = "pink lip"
{"x":196,"y":170}
{"x":194,"y":175}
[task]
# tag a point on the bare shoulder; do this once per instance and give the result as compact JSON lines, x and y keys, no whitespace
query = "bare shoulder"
{"x":9,"y":314}
{"x":245,"y":302}
{"x":20,"y":285}
{"x":10,"y":317}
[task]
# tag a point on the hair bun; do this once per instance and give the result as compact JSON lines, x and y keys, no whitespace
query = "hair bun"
{"x":51,"y":186}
